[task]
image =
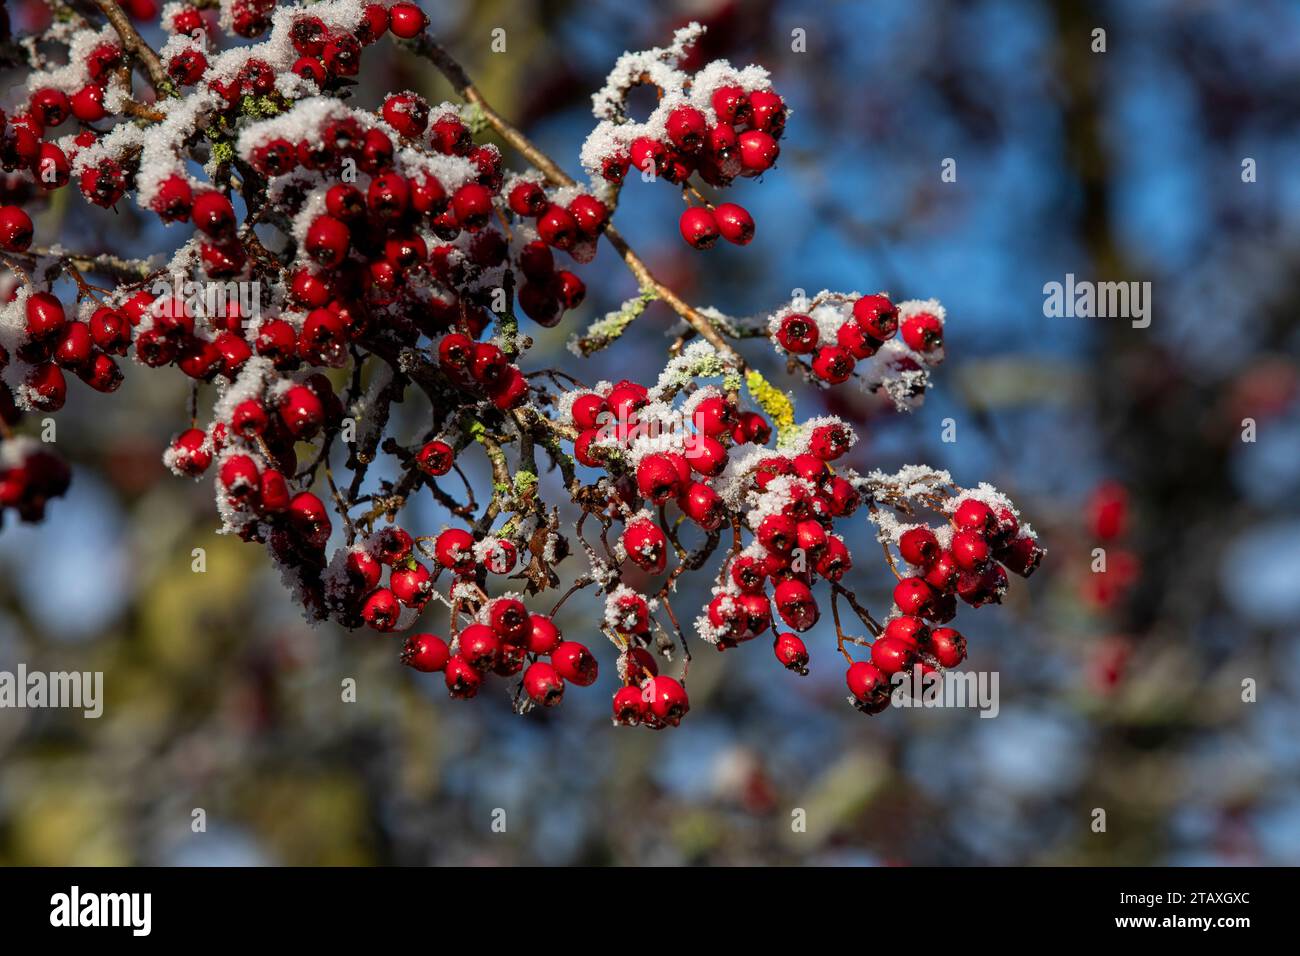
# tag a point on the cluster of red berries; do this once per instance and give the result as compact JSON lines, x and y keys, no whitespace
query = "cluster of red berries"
{"x":51,"y":344}
{"x":399,"y":238}
{"x":29,"y":477}
{"x":887,"y":345}
{"x":968,"y":559}
{"x":505,"y":640}
{"x":791,"y":505}
{"x":720,"y":124}
{"x":23,"y":143}
{"x":562,"y":219}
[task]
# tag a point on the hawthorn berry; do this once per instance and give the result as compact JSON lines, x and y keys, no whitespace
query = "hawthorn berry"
{"x":699,"y":227}
{"x":735,"y":224}
{"x":667,"y":699}
{"x":425,"y":652}
{"x":406,"y":20}
{"x":15,"y":229}
{"x":791,"y":651}
{"x":543,"y":684}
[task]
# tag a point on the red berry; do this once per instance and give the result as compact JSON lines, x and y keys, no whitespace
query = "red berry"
{"x":797,"y":333}
{"x":527,"y":198}
{"x":923,"y":332}
{"x":974,"y":515}
{"x":543,"y":636}
{"x":833,"y":364}
{"x":450,"y":136}
{"x":425,"y":652}
{"x":943,"y":571}
{"x":249,"y":418}
{"x":589,"y":213}
{"x":703,"y":505}
{"x":646,"y":545}
{"x":189,"y":453}
{"x":699,"y":227}
{"x":667,"y":699}
{"x":406,"y":113}
{"x":648,"y":155}
{"x":411,"y":585}
{"x":769,"y":111}
{"x":406,"y":20}
{"x":310,"y":68}
{"x":791,"y":651}
{"x":557,"y":227}
{"x":187,"y":67}
{"x":734,"y":223}
{"x":686,"y":127}
{"x":462,"y":680}
{"x":302,"y":412}
{"x":829,"y":442}
{"x":509,"y":620}
{"x":45,"y":315}
{"x":970,"y":550}
{"x":835,"y":560}
{"x":907,"y":628}
{"x":796,"y":604}
{"x":15,"y":229}
{"x":374,"y":23}
{"x":273,"y":492}
{"x":891,"y":654}
{"x":381,"y":610}
{"x":213,"y":214}
{"x":454,"y":549}
{"x":758,"y":151}
{"x":876,"y":315}
{"x":575,"y":663}
{"x":986,"y":586}
{"x":50,"y":106}
{"x":543,"y":684}
{"x":948,"y":646}
{"x":1021,"y":555}
{"x":342,"y":55}
{"x":851,"y":336}
{"x":630,"y":706}
{"x":472,"y":206}
{"x":731,"y":104}
{"x":327,"y":241}
{"x":499,"y":556}
{"x":919,"y":546}
{"x":478,"y":646}
{"x":913,"y":596}
{"x":435,"y":458}
{"x":778,"y":533}
{"x":173,"y":200}
{"x":239,"y":476}
{"x":88,"y":104}
{"x":307,"y":516}
{"x":658,"y":478}
{"x":869,"y":685}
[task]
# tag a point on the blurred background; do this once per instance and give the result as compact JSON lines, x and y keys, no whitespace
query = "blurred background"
{"x":1120,"y":691}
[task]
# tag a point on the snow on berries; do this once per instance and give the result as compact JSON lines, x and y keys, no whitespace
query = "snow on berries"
{"x":719,"y":124}
{"x":336,"y":259}
{"x":889,"y":348}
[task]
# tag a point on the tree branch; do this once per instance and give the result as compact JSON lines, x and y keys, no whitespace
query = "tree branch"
{"x":136,"y":45}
